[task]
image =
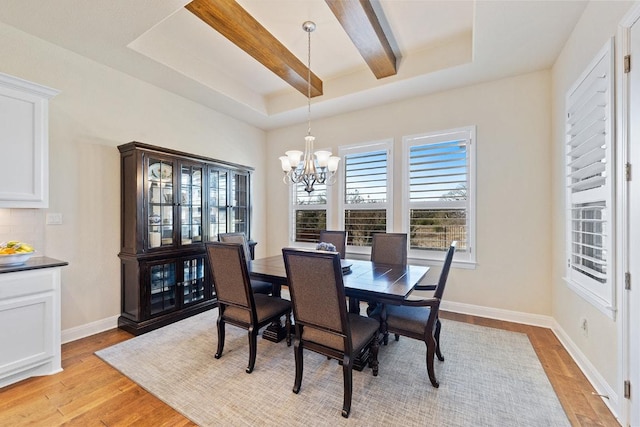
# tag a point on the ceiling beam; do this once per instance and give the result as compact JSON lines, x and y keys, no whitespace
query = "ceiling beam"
{"x":360,"y":22}
{"x":236,"y":24}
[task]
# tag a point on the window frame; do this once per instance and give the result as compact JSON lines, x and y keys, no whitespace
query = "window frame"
{"x":373,"y":146}
{"x":604,"y":299}
{"x":465,"y":259}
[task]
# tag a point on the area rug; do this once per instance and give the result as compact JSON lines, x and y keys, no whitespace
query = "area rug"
{"x":490,"y":377}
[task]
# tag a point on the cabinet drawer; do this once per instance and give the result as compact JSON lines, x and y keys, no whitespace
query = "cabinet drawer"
{"x":27,"y":282}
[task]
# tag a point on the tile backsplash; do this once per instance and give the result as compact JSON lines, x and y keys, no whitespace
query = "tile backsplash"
{"x":25,"y":225}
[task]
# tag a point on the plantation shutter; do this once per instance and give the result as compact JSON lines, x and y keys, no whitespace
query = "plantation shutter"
{"x":366,"y":177}
{"x":365,"y":202}
{"x":439,"y":170}
{"x":589,"y":161}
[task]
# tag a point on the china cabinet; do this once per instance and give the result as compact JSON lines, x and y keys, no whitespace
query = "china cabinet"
{"x":24,"y":133}
{"x":172,"y":203}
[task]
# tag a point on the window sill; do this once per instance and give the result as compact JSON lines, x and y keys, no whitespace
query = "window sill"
{"x":594,"y":300}
{"x":462,"y":264}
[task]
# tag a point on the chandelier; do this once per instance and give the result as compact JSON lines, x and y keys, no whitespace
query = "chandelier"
{"x":309,"y":168}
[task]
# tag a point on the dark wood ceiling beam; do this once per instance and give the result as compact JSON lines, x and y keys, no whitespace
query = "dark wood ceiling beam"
{"x":360,"y":22}
{"x":232,"y":21}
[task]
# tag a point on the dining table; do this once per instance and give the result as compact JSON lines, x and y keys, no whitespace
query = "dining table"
{"x":363,"y":281}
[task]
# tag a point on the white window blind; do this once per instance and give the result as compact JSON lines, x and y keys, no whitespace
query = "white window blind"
{"x":589,"y":165}
{"x":365,"y":193}
{"x":440,"y":192}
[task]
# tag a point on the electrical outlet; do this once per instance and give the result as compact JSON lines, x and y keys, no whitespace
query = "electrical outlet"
{"x":584,"y":326}
{"x":54,"y":218}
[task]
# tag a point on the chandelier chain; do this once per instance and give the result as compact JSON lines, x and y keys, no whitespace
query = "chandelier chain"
{"x":309,"y":80}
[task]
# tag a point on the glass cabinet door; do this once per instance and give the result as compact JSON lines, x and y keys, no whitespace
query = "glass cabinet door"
{"x":160,"y":203}
{"x":163,"y":287}
{"x":240,"y":204}
{"x":190,"y":204}
{"x":217,"y":202}
{"x":193,"y":280}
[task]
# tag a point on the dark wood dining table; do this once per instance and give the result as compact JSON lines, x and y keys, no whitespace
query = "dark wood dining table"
{"x":363,"y":280}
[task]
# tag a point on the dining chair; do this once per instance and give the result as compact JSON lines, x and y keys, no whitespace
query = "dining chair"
{"x":418,"y":318}
{"x":258,"y":286}
{"x":337,"y":238}
{"x":322,"y":322}
{"x":389,"y":248}
{"x":237,"y":304}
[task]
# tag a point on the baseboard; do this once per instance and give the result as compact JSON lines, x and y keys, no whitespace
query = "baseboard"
{"x":102,"y":325}
{"x":593,"y":376}
{"x":92,"y":328}
{"x":499,"y":314}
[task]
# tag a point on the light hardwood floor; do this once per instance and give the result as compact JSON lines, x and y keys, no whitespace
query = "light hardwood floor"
{"x":91,"y":393}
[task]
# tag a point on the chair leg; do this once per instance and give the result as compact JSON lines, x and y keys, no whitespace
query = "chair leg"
{"x":220,"y":324}
{"x":373,"y":357}
{"x":437,"y":337}
{"x":253,"y":348}
{"x":431,"y":344}
{"x":287,"y":324}
{"x":297,"y":353}
{"x":347,"y":371}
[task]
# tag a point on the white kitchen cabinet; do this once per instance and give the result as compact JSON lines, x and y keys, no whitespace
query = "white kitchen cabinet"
{"x":24,"y":143}
{"x":30,"y":322}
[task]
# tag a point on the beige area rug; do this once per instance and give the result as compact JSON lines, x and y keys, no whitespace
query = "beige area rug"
{"x":489,"y":377}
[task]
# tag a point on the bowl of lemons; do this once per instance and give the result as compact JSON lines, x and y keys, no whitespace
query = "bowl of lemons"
{"x":14,"y":253}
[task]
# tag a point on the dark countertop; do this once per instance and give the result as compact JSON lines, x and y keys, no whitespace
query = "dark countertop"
{"x":34,"y":264}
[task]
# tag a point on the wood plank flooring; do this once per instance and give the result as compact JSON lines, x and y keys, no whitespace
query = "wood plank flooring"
{"x":91,"y":393}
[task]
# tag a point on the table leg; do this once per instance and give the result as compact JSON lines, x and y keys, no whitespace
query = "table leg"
{"x":354,"y":305}
{"x":275,"y":332}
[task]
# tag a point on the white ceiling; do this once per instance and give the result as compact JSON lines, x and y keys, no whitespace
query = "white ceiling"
{"x":441,"y":45}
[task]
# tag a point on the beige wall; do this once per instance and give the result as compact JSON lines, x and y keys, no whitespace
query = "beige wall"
{"x":513,"y":180}
{"x":97,"y":110}
{"x":598,"y":24}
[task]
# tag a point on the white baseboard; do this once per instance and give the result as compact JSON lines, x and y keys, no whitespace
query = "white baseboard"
{"x":92,"y":328}
{"x":593,"y":376}
{"x":499,"y":314}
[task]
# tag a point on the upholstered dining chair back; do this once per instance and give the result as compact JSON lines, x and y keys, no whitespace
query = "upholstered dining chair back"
{"x":237,"y":238}
{"x":237,"y":303}
{"x":337,"y":238}
{"x":389,"y":248}
{"x":258,"y":286}
{"x":322,"y":323}
{"x":230,"y":275}
{"x":317,"y":290}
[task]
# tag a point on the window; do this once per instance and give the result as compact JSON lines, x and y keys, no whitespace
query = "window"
{"x":439,"y":201}
{"x":365,"y":204}
{"x":309,"y":212}
{"x":589,"y":193}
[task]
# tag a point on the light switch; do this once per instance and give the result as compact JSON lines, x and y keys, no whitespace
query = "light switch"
{"x":54,"y":218}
